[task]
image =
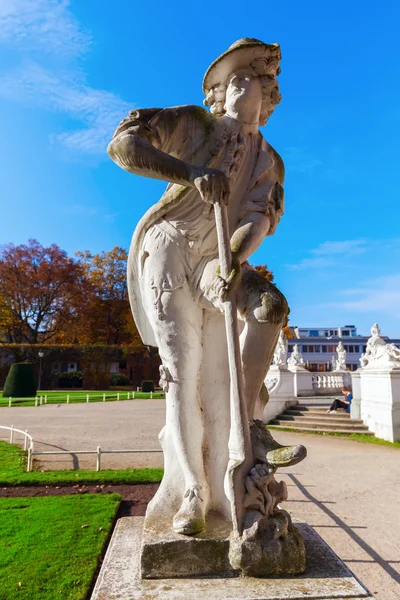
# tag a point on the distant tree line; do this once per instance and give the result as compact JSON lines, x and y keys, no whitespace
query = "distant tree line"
{"x":48,"y":297}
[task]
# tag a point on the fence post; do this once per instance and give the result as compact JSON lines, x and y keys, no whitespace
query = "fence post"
{"x":67,"y":398}
{"x":36,"y":401}
{"x":151,"y":395}
{"x":9,"y":402}
{"x":118,"y":396}
{"x":98,"y":459}
{"x":25,"y":440}
{"x":104,"y":397}
{"x":133,"y":395}
{"x":87,"y":397}
{"x":45,"y":399}
{"x":29,"y":462}
{"x":12,"y":434}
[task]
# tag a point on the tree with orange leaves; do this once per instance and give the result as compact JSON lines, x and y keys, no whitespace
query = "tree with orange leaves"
{"x":39,"y":291}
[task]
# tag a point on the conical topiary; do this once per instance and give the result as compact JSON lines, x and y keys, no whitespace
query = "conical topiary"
{"x":20,"y":382}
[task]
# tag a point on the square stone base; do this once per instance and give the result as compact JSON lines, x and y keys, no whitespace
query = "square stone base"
{"x":326,"y":576}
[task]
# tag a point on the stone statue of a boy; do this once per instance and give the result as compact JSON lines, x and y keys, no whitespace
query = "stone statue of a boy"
{"x":175,"y":289}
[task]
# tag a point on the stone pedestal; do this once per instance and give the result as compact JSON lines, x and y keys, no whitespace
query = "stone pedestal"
{"x":280,"y":385}
{"x":166,"y":554}
{"x":326,"y":577}
{"x":355,"y":407}
{"x":302,"y":381}
{"x":380,"y":402}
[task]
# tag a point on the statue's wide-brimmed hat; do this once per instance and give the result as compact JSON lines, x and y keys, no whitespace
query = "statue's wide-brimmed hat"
{"x":247,"y":52}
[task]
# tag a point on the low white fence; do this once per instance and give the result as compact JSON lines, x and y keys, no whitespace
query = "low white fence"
{"x":14,"y":432}
{"x":99,"y":451}
{"x":29,"y":446}
{"x":70,"y":398}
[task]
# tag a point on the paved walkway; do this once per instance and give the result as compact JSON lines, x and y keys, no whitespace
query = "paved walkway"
{"x":348,"y":491}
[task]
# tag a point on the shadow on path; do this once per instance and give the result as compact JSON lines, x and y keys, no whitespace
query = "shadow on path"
{"x":75,"y":459}
{"x":349,"y":530}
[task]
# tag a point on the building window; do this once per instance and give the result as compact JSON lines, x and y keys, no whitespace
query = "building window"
{"x":364,"y":348}
{"x":122,"y":364}
{"x":290,"y":348}
{"x":346,"y":332}
{"x":314,"y":333}
{"x":304,"y":348}
{"x":324,"y":348}
{"x":317,"y":348}
{"x":357,"y":349}
{"x":331,"y":349}
{"x":346,"y":348}
{"x":311,"y":348}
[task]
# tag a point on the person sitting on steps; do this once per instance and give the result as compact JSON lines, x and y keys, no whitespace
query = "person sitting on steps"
{"x":342,"y":403}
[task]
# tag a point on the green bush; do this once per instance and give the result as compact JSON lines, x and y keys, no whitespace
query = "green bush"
{"x":147,"y":386}
{"x":118,"y":379}
{"x":20,"y":382}
{"x":73,"y":379}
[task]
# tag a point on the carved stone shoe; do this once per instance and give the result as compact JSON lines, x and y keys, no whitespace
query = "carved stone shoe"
{"x":265,"y":448}
{"x":189,"y":519}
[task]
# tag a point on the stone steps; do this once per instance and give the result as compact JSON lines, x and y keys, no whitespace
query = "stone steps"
{"x":346,"y":421}
{"x":322,"y":430}
{"x":321,"y":424}
{"x":310,"y":417}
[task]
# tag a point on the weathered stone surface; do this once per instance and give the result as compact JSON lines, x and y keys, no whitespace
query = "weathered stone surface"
{"x":326,"y":577}
{"x":167,"y":554}
{"x":269,"y":546}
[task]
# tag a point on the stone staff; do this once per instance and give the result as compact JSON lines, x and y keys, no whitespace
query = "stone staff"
{"x":239,"y":444}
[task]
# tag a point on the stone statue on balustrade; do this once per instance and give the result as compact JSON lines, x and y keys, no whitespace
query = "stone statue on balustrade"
{"x":281,"y":350}
{"x":339,"y":364}
{"x":214,"y":320}
{"x":379,"y":355}
{"x":296,"y":359}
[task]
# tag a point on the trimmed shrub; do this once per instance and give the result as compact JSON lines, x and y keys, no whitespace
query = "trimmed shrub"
{"x":147,"y":386}
{"x":74,"y":379}
{"x":118,"y":379}
{"x":20,"y":382}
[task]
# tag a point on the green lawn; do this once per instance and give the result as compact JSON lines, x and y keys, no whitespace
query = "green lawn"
{"x":57,"y":397}
{"x":49,"y":546}
{"x":13,"y":465}
{"x":358,"y":437}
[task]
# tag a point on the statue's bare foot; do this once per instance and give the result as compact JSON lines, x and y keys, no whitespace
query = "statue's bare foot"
{"x":190,"y":517}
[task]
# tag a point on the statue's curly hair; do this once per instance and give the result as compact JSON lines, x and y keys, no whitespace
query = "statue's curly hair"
{"x":270,"y":97}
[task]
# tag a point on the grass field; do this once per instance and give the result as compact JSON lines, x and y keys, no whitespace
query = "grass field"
{"x":13,"y":472}
{"x":49,"y":546}
{"x":57,"y":397}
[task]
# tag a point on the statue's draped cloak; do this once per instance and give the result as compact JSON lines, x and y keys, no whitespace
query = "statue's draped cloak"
{"x":197,"y":137}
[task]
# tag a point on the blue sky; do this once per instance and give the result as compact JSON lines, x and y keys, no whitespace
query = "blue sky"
{"x":69,"y":71}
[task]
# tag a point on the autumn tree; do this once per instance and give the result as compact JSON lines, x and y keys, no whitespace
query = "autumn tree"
{"x":39,"y":291}
{"x":107,"y":316}
{"x":263,"y":270}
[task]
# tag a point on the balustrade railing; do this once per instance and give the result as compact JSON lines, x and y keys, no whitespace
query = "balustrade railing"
{"x":327,"y":381}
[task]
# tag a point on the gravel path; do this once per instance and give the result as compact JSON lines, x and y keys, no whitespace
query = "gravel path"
{"x":348,"y":491}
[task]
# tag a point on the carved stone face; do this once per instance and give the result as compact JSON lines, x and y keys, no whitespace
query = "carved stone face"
{"x":243,"y":96}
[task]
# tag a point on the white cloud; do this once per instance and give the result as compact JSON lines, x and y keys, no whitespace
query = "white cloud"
{"x":44,"y":24}
{"x":327,"y":253}
{"x":47,"y":27}
{"x":345,"y":247}
{"x":380,"y":295}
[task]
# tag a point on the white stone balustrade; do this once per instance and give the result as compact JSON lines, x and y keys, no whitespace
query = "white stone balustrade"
{"x":327,"y":381}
